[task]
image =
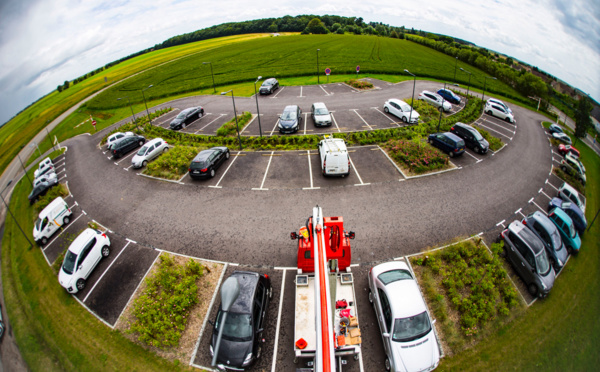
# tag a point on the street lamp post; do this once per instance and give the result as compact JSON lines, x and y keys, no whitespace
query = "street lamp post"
{"x":318,"y":80}
{"x":145,"y":104}
{"x":235,"y":116}
{"x":413,"y":96}
{"x":229,"y":293}
{"x":485,"y":81}
{"x":257,"y":110}
{"x":211,"y":74}
{"x":50,"y":138}
{"x":9,"y":211}
{"x":441,"y":110}
{"x":24,"y":170}
{"x":33,"y":143}
{"x":128,"y":101}
{"x":469,"y":84}
{"x":455,"y":64}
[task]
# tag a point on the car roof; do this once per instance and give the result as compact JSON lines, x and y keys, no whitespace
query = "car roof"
{"x":562,"y":215}
{"x":81,"y":240}
{"x":407,"y":299}
{"x":151,"y":142}
{"x":452,"y":135}
{"x":543,"y":220}
{"x":398,"y":101}
{"x":526,"y":235}
{"x":319,"y":105}
{"x":495,"y":101}
{"x":53,"y":204}
{"x":189,"y":109}
{"x":247,"y":281}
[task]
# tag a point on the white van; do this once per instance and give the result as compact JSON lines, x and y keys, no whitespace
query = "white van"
{"x":51,"y":218}
{"x":335,"y":160}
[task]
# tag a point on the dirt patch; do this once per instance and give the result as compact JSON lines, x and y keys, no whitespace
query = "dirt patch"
{"x":207,"y":285}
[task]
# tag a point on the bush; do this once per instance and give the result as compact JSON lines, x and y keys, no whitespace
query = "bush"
{"x":569,"y":179}
{"x":173,"y":164}
{"x":417,"y":156}
{"x":495,"y":143}
{"x":230,"y":128}
{"x":53,"y":193}
{"x":359,"y":84}
{"x":162,"y":310}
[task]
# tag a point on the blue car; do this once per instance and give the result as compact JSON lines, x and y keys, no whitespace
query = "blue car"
{"x":555,"y":129}
{"x":449,"y":96}
{"x":566,"y":228}
{"x":573,"y":211}
{"x":448,"y":142}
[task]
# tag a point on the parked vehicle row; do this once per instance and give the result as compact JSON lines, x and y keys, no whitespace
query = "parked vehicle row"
{"x":436,"y":100}
{"x":402,"y":110}
{"x":44,"y":179}
{"x":499,"y":109}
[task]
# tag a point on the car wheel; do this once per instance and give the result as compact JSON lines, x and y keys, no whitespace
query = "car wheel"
{"x":388,"y":366}
{"x":227,"y":155}
{"x":404,"y":119}
{"x":508,"y":120}
{"x":144,"y":163}
{"x":533,"y":289}
{"x":166,"y":149}
{"x":44,"y":240}
{"x":105,"y":251}
{"x":371,"y":297}
{"x":183,"y":126}
{"x":212,"y":173}
{"x":477,"y":149}
{"x":386,"y":109}
{"x":80,"y":284}
{"x":141,"y":143}
{"x":66,"y":220}
{"x":451,"y":153}
{"x":430,"y":141}
{"x":489,"y":112}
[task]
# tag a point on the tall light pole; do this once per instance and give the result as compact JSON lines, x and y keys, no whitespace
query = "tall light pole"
{"x":49,"y":138}
{"x":235,"y":116}
{"x":455,"y":64}
{"x":257,"y":110}
{"x":128,"y":101}
{"x":441,"y":109}
{"x":24,"y":170}
{"x":468,"y":85}
{"x":211,"y":74}
{"x":485,"y":81}
{"x":145,"y":104}
{"x":318,"y":80}
{"x":413,"y":96}
{"x":9,"y":211}
{"x":33,"y":143}
{"x":229,"y":293}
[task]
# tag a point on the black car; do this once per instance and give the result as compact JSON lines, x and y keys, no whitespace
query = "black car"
{"x":448,"y":142}
{"x":289,"y":121}
{"x":40,"y":190}
{"x":207,"y":162}
{"x":241,"y":343}
{"x":126,"y":144}
{"x":269,"y":86}
{"x":473,"y":139}
{"x":187,"y":116}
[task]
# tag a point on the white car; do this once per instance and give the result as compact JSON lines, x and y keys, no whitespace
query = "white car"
{"x":435,"y":99}
{"x":499,"y":111}
{"x":408,"y":335}
{"x":115,"y":137}
{"x":49,"y":177}
{"x":567,"y":193}
{"x":43,"y":167}
{"x":148,"y":152}
{"x":562,"y":137}
{"x":402,"y":110}
{"x":500,"y":103}
{"x":81,"y":259}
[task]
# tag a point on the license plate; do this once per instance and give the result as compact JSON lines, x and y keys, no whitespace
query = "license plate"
{"x":195,"y":171}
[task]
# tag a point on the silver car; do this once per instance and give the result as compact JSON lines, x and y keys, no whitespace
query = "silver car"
{"x":149,"y":151}
{"x":49,"y":177}
{"x":435,"y":99}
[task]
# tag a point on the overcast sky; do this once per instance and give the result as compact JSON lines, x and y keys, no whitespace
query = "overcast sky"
{"x":45,"y":42}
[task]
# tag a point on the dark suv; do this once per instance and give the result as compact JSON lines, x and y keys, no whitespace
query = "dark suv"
{"x":527,"y":254}
{"x":126,"y":144}
{"x":241,"y":344}
{"x":473,"y":139}
{"x":269,"y":86}
{"x":448,"y":142}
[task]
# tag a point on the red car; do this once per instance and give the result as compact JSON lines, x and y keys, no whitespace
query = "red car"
{"x":565,"y":149}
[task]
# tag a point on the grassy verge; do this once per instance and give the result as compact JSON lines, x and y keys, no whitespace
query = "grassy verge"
{"x":231,"y":127}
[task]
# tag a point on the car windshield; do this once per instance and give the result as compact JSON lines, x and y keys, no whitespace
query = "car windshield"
{"x":69,"y":263}
{"x":404,"y":106}
{"x":38,"y":223}
{"x":321,"y":111}
{"x":411,"y":328}
{"x":394,"y":275}
{"x":288,"y":115}
{"x":556,"y":242}
{"x":182,"y":115}
{"x":266,"y":83}
{"x":237,"y":326}
{"x":542,"y":263}
{"x":477,"y":135}
{"x":142,"y":150}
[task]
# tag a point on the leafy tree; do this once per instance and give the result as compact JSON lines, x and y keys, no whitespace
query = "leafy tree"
{"x":59,"y":88}
{"x":394,"y":34}
{"x":582,"y":118}
{"x":359,"y":21}
{"x":315,"y":26}
{"x":335,"y":27}
{"x":66,"y":85}
{"x":340,"y":31}
{"x":272,"y":27}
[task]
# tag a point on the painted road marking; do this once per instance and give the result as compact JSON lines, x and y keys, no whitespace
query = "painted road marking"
{"x":273,"y":365}
{"x":224,"y":173}
{"x":201,"y":129}
{"x":105,"y":271}
{"x":266,"y":172}
{"x":361,"y":118}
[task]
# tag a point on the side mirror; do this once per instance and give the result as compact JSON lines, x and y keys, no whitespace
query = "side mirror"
{"x":386,"y":335}
{"x":433,"y":322}
{"x":293,"y":235}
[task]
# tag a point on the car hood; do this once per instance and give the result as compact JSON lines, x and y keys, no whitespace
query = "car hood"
{"x":417,"y":355}
{"x":321,"y":118}
{"x":176,"y":121}
{"x":288,"y":123}
{"x":64,"y":279}
{"x":232,"y":353}
{"x":137,"y":159}
{"x":548,"y":280}
{"x":562,"y":253}
{"x":265,"y":87}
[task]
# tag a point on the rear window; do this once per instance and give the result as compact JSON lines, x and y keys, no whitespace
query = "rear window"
{"x":199,"y":164}
{"x":460,"y":143}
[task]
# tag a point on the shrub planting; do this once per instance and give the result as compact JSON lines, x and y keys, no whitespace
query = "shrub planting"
{"x":417,"y":156}
{"x":231,"y":127}
{"x":173,"y":164}
{"x":359,"y":84}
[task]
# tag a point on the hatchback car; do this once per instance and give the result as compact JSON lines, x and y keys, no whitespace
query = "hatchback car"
{"x":186,"y":116}
{"x":44,"y":167}
{"x":320,"y":115}
{"x":126,"y":144}
{"x":562,"y":137}
{"x":548,"y":233}
{"x":289,"y":121}
{"x":448,"y":142}
{"x":115,"y":137}
{"x":269,"y":86}
{"x":527,"y":254}
{"x":568,"y":149}
{"x":473,"y":139}
{"x":567,"y":193}
{"x":500,"y":103}
{"x":566,"y":228}
{"x":149,"y":151}
{"x":573,"y":166}
{"x":241,"y":342}
{"x":407,"y":332}
{"x":49,"y":177}
{"x":449,"y":96}
{"x":573,"y":211}
{"x":206,"y":163}
{"x":498,"y":111}
{"x":435,"y":99}
{"x":81,"y":259}
{"x":39,"y":190}
{"x":401,"y":110}
{"x":554,"y":128}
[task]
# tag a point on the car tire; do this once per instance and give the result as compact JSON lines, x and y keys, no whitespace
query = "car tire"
{"x":271,"y":293}
{"x":144,"y":163}
{"x":508,"y":120}
{"x":489,"y":112}
{"x":141,"y":143}
{"x":478,"y":150}
{"x":166,"y":149}
{"x":430,"y":141}
{"x":80,"y":284}
{"x":66,"y":220}
{"x":105,"y":251}
{"x":258,"y":352}
{"x":388,"y":366}
{"x":44,"y":240}
{"x":451,"y":154}
{"x":371,"y":297}
{"x":386,"y":110}
{"x":227,"y":155}
{"x":183,"y":126}
{"x":212,"y":173}
{"x":532,"y":289}
{"x":404,"y":119}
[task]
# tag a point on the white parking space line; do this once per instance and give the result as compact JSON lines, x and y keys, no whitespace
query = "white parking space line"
{"x":129,"y":167}
{"x":301,"y":96}
{"x":320,"y":86}
{"x":273,"y":365}
{"x":105,"y":271}
{"x":64,"y":170}
{"x":501,"y":223}
{"x":280,"y":90}
{"x":519,"y":211}
{"x":305,"y":122}
{"x":62,"y":178}
{"x":224,"y":173}
{"x":500,"y":126}
{"x":63,"y":230}
{"x":542,"y":209}
{"x":250,"y":122}
{"x":310,"y":174}
{"x":551,"y":185}
{"x":273,"y":130}
{"x":361,"y":118}
{"x":185,"y":175}
{"x":384,"y":114}
{"x":335,"y":122}
{"x":125,"y":157}
{"x":358,"y":175}
{"x":557,"y":161}
{"x":220,"y":116}
{"x":488,"y":128}
{"x":266,"y":172}
{"x":473,"y":156}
